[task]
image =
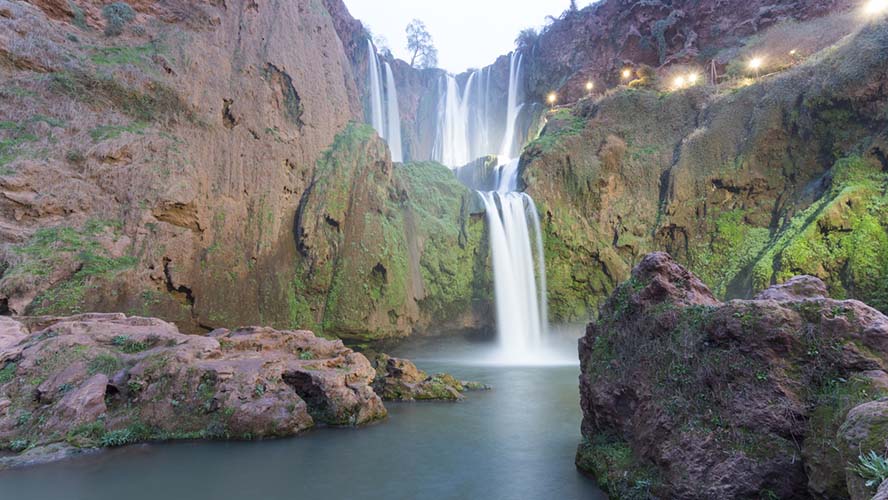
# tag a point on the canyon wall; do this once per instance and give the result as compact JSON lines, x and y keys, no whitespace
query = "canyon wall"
{"x":154,"y":161}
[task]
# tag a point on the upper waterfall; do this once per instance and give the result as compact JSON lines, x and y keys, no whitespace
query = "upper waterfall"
{"x":383,"y":94}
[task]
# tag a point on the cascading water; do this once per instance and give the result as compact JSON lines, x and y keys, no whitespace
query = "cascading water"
{"x":393,"y":130}
{"x":384,"y":114}
{"x":464,"y":130}
{"x":513,"y":107}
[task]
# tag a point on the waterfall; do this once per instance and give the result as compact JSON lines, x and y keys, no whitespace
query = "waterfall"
{"x":519,"y":274}
{"x":452,"y":142}
{"x":375,"y":79}
{"x":384,"y":114}
{"x":393,"y":130}
{"x":470,"y":120}
{"x":513,"y":108}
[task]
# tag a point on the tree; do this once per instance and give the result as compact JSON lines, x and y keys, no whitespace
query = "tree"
{"x":420,"y":43}
{"x":526,"y":39}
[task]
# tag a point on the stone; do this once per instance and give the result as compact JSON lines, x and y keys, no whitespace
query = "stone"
{"x":108,"y":379}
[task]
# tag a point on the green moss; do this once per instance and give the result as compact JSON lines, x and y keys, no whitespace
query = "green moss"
{"x":842,"y":238}
{"x":733,"y":247}
{"x":57,"y":247}
{"x":561,"y":124}
{"x":615,"y":467}
{"x":382,"y":239}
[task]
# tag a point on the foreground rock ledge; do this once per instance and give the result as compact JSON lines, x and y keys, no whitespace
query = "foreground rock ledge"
{"x":684,"y":396}
{"x":108,"y":380}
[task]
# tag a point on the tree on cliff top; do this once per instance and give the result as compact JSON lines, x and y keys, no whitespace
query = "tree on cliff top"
{"x":420,"y":43}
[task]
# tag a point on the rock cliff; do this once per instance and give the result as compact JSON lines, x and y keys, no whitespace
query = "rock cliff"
{"x":155,"y":158}
{"x":747,"y":185}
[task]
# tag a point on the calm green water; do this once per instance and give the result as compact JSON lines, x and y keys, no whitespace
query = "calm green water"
{"x":514,"y":442}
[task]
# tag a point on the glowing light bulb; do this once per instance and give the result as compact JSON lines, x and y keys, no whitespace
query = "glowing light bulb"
{"x":793,"y":52}
{"x":876,"y":7}
{"x":679,"y":82}
{"x":692,"y":78}
{"x":589,"y":86}
{"x":553,"y":97}
{"x":755,"y":63}
{"x":627,"y":73}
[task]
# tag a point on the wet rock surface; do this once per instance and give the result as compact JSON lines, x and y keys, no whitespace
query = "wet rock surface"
{"x":398,"y":379}
{"x":108,"y":380}
{"x":684,"y":396}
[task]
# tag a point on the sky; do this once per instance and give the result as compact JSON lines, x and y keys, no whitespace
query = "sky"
{"x":467,"y":33}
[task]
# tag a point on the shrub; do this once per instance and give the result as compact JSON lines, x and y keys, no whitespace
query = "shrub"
{"x":104,"y":363}
{"x":117,"y":15}
{"x":872,"y":467}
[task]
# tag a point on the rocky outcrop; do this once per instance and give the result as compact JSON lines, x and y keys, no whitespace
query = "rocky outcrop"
{"x":399,"y":379}
{"x":747,"y":186}
{"x":684,"y":396}
{"x":107,"y":380}
{"x":597,"y":42}
{"x":389,"y":249}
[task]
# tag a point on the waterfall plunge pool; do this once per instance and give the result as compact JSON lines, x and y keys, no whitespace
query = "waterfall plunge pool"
{"x":516,"y":441}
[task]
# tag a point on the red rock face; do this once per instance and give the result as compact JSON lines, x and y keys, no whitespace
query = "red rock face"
{"x":597,"y":42}
{"x":724,"y":400}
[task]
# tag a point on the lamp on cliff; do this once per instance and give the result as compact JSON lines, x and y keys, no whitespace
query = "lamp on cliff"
{"x":552,"y":98}
{"x":627,"y":74}
{"x":679,"y":82}
{"x":589,"y":86}
{"x":875,"y":8}
{"x":755,"y":64}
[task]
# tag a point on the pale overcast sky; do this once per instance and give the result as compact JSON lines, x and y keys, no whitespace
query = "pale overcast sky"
{"x":467,"y":33}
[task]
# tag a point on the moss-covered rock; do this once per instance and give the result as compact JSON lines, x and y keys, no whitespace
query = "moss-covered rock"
{"x":386,"y":249}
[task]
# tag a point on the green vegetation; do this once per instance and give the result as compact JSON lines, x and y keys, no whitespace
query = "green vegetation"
{"x":615,"y":467}
{"x":104,"y":363}
{"x":137,"y":55}
{"x":733,"y":247}
{"x":872,"y":467}
{"x":8,"y":372}
{"x":842,"y":238}
{"x":128,"y":345}
{"x":384,"y":238}
{"x":104,"y":132}
{"x":562,"y":123}
{"x":159,"y":103}
{"x":57,"y":248}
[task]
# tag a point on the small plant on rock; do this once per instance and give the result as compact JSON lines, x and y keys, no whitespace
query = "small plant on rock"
{"x":872,"y":467}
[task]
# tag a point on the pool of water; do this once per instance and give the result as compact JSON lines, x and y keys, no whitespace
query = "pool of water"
{"x":516,"y":441}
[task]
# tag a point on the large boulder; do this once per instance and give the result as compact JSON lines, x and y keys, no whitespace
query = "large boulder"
{"x":684,"y":396}
{"x":108,"y":379}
